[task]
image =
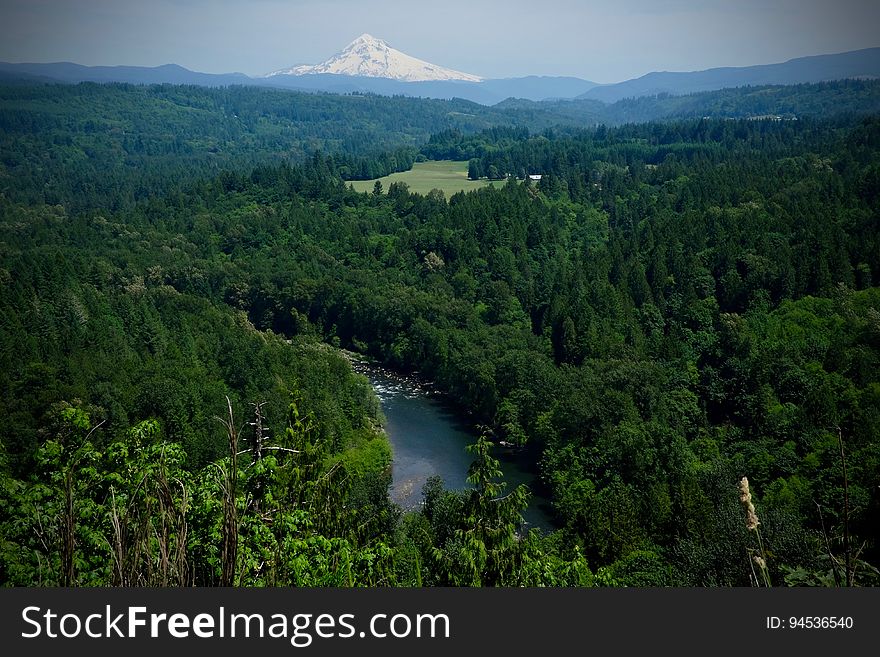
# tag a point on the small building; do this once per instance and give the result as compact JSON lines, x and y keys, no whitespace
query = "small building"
{"x":535,"y":176}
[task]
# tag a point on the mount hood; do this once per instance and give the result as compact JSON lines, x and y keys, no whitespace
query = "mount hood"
{"x":368,"y":56}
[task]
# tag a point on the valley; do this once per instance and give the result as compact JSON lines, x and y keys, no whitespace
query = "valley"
{"x":377,"y":322}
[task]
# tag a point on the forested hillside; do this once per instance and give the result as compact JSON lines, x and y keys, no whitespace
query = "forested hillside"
{"x":91,"y":145}
{"x":821,"y":100}
{"x":671,"y":308}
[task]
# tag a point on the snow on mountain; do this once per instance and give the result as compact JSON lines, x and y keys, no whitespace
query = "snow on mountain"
{"x":371,"y":57}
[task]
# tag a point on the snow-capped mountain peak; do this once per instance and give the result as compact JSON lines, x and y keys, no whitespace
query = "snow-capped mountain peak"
{"x":371,"y":57}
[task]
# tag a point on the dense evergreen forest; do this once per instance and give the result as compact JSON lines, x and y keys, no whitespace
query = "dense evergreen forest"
{"x":681,"y":320}
{"x":91,"y":145}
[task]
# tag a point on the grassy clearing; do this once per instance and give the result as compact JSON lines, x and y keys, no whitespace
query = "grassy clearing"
{"x":446,"y":175}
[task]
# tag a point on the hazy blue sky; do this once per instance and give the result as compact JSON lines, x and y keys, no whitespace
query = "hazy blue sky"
{"x":601,"y":41}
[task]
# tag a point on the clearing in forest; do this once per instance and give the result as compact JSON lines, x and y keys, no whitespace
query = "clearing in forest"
{"x":446,"y":175}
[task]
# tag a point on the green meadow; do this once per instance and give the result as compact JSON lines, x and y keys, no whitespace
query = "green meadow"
{"x":446,"y":175}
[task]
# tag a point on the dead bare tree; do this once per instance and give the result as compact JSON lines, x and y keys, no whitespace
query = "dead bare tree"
{"x":68,"y":531}
{"x":131,"y":530}
{"x":257,"y":456}
{"x":229,"y":485}
{"x":68,"y":514}
{"x":171,"y":534}
{"x":846,"y":540}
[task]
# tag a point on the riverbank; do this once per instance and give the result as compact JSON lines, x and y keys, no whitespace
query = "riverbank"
{"x":428,"y":437}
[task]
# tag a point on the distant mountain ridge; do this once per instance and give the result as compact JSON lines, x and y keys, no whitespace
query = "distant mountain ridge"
{"x":486,"y":92}
{"x":165,"y":74}
{"x":331,"y":77}
{"x":817,"y":68}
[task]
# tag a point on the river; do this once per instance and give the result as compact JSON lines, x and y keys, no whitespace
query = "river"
{"x":429,"y":438}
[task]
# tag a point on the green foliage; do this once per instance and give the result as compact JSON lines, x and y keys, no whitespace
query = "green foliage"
{"x":112,"y":145}
{"x":141,"y":519}
{"x":672,"y":307}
